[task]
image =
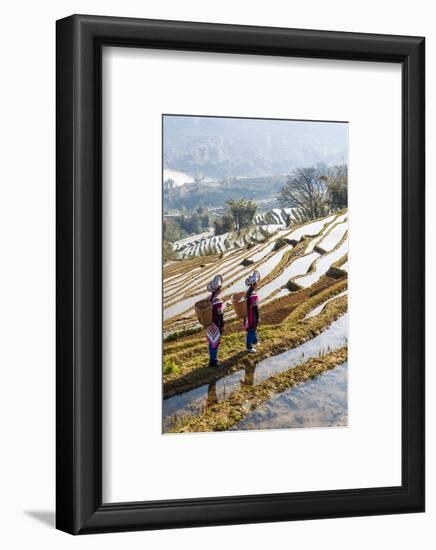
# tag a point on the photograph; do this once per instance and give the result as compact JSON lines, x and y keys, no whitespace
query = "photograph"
{"x":255,"y":273}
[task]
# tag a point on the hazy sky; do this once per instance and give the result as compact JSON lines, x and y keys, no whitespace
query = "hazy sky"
{"x":221,"y":147}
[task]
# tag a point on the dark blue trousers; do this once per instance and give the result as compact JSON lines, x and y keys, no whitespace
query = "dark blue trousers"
{"x":213,"y":353}
{"x":251,"y":337}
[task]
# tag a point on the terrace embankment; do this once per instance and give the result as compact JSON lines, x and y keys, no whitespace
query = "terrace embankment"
{"x":190,"y":355}
{"x":223,"y":415}
{"x":278,"y":266}
{"x":295,"y":252}
{"x":179,"y":267}
{"x":272,"y":313}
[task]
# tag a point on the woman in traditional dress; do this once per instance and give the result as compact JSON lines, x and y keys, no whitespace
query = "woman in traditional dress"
{"x":216,"y":328}
{"x":253,"y":317}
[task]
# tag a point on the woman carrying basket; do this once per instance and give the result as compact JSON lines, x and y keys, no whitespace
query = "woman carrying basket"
{"x":253,"y":317}
{"x":216,"y":328}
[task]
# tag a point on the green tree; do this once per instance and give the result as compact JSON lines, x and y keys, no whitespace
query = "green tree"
{"x":171,"y":232}
{"x":242,"y":212}
{"x":337,"y":187}
{"x":223,"y":224}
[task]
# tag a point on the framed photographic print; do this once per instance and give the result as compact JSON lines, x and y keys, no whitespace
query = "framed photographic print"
{"x":240,"y":274}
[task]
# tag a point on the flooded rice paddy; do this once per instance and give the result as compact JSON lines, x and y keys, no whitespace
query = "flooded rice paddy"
{"x":298,"y":267}
{"x":322,"y":265}
{"x":315,"y":311}
{"x":321,"y":402}
{"x":194,"y":402}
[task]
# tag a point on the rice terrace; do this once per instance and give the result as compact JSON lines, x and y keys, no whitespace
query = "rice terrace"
{"x":258,"y":235}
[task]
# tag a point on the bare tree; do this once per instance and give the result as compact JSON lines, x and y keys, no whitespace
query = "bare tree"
{"x":306,"y":191}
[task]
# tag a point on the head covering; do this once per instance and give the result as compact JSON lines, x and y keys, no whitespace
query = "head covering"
{"x":215,"y":283}
{"x":253,"y":278}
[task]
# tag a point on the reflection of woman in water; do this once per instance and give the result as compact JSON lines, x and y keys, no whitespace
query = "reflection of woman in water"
{"x":212,"y":397}
{"x":253,"y":318}
{"x":249,"y":375}
{"x":216,"y":328}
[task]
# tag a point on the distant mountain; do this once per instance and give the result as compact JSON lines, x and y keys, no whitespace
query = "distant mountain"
{"x":220,"y":148}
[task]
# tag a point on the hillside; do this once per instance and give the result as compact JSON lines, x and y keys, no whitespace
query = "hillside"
{"x":216,"y":193}
{"x":306,"y":254}
{"x":303,"y":294}
{"x":266,"y":224}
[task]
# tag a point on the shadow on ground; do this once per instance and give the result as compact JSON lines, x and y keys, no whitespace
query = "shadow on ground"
{"x":47,"y":517}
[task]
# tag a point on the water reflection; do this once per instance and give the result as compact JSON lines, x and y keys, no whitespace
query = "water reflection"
{"x":249,"y":371}
{"x":212,"y":397}
{"x":193,"y":401}
{"x":320,"y":402}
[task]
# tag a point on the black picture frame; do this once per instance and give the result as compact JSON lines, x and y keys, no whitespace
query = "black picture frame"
{"x":79,"y":507}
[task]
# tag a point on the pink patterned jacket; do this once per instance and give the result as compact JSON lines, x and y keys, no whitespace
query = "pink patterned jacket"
{"x":252,"y":319}
{"x":214,"y":331}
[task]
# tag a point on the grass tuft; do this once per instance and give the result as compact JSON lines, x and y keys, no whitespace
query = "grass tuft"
{"x":170,"y":367}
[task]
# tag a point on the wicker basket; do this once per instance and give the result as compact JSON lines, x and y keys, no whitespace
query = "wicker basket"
{"x":203,"y":309}
{"x":240,"y":305}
